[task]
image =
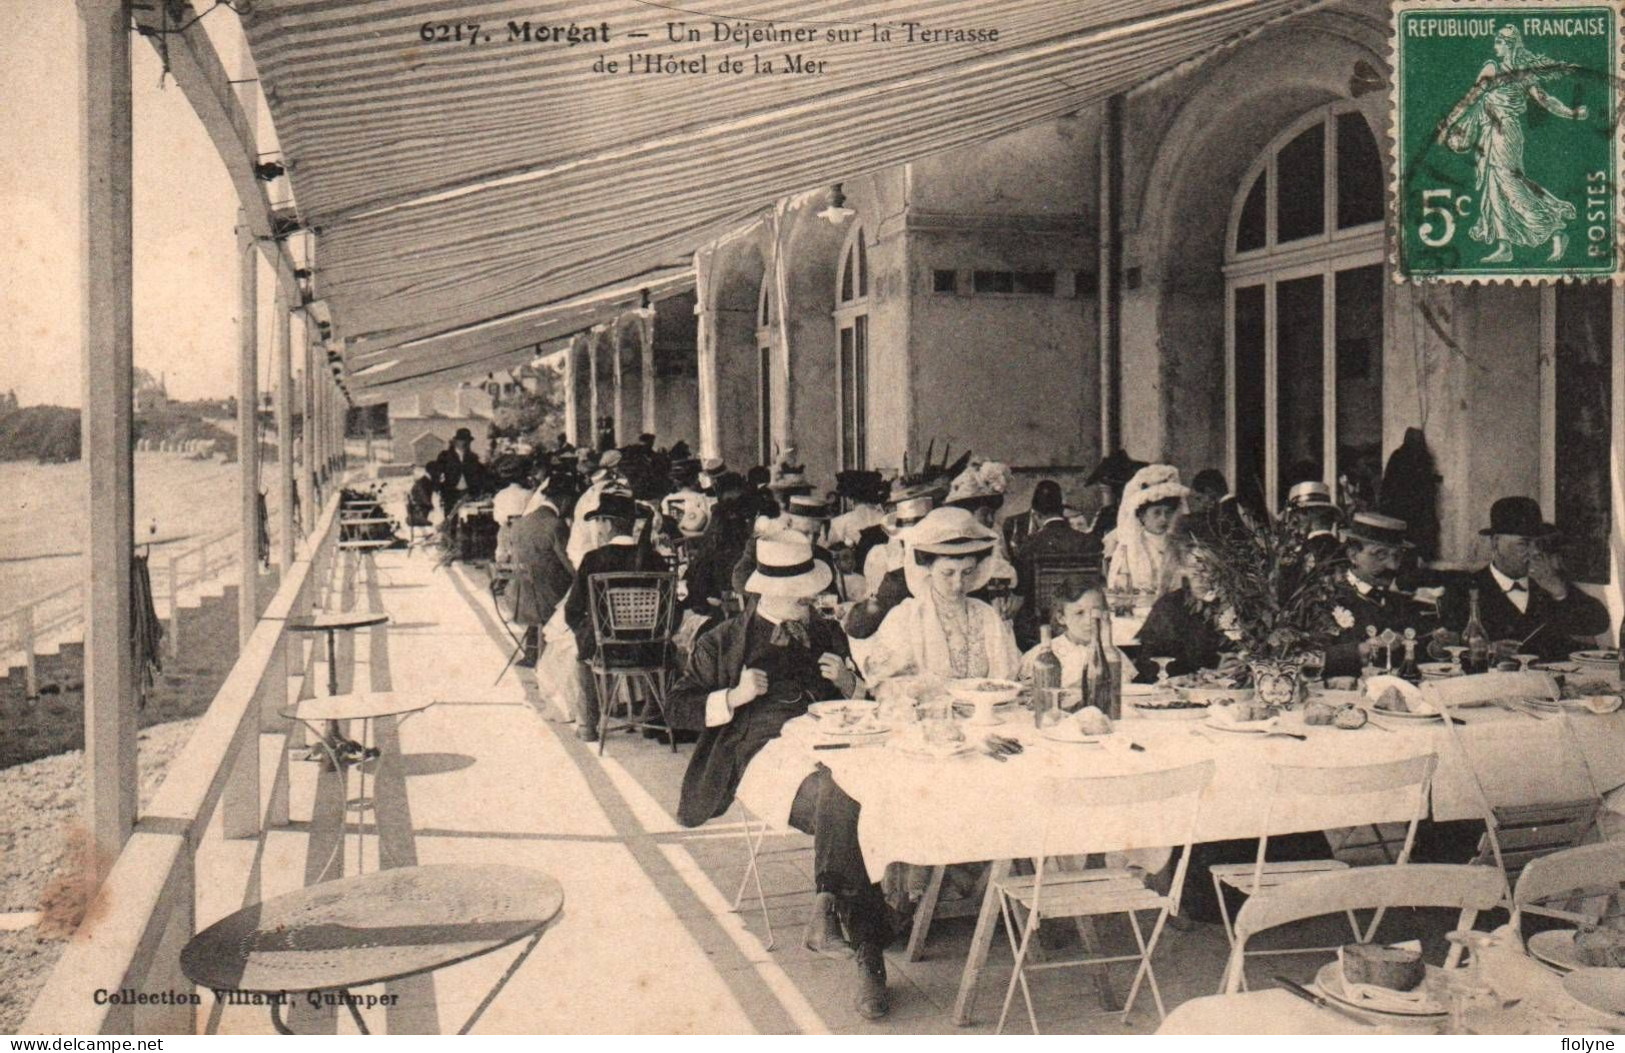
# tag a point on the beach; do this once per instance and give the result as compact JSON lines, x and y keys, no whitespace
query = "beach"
{"x":178,"y":501}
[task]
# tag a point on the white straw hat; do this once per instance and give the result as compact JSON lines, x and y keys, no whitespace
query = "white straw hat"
{"x":785,"y":567}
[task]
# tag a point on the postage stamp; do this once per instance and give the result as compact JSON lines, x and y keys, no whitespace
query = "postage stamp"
{"x":1507,"y":140}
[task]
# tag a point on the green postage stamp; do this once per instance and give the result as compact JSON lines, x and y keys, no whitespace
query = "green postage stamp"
{"x":1506,"y":127}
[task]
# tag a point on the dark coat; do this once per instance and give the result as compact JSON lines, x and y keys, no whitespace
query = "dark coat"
{"x":1173,"y":630}
{"x":864,"y":619}
{"x":1379,"y":608}
{"x":1551,"y":628}
{"x":605,"y":559}
{"x":543,"y":572}
{"x":447,"y":470}
{"x":711,"y":561}
{"x":1055,"y":540}
{"x":719,"y":657}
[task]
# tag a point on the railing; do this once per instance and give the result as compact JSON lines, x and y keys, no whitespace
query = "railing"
{"x":24,"y":630}
{"x":145,"y":910}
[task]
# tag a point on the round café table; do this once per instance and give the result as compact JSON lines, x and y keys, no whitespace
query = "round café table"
{"x":371,"y":929}
{"x":320,"y":715}
{"x":332,"y":623}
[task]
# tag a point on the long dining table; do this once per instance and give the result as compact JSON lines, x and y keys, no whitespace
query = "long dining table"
{"x":972,"y":808}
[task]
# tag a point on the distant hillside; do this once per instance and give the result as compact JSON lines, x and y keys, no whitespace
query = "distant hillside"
{"x":40,"y":433}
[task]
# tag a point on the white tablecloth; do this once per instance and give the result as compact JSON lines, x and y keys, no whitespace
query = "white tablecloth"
{"x":973,"y":808}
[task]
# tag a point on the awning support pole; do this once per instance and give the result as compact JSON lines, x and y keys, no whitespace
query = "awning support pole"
{"x":309,"y":506}
{"x":706,"y":354}
{"x":248,"y":446}
{"x":283,"y":348}
{"x":105,"y":427}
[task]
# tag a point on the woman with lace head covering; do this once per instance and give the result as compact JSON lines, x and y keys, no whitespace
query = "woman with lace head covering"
{"x":1147,"y":558}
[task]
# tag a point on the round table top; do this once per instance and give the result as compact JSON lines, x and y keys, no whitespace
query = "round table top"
{"x":362,"y":705}
{"x":372,"y":928}
{"x":326,"y":621}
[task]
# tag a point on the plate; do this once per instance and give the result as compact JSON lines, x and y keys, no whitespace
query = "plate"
{"x":1329,"y":982}
{"x":959,"y":749}
{"x":1555,"y":947}
{"x":1601,"y":989}
{"x":1606,"y":656}
{"x":1066,"y":731}
{"x":1166,"y":712}
{"x":830,"y":715}
{"x":981,"y":688}
{"x":1558,"y":667}
{"x":1439,"y":670}
{"x":1248,"y":727}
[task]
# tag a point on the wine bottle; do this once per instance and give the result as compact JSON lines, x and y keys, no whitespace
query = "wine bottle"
{"x":1475,"y":639}
{"x":1105,"y":671}
{"x":1046,"y":681}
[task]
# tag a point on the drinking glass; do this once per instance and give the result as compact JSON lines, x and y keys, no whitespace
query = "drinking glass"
{"x":1313,"y":666}
{"x":1162,"y":670}
{"x":1455,"y":651}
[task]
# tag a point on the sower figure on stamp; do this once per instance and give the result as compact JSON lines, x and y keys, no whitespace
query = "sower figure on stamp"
{"x":746,"y":679}
{"x":1513,"y":208}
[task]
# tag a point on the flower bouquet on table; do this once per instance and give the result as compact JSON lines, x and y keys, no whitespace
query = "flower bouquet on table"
{"x":1265,"y":586}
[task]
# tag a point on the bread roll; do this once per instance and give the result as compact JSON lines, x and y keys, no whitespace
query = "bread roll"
{"x":1396,"y":968}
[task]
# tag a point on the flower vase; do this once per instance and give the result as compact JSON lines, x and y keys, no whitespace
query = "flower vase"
{"x":1278,"y":681}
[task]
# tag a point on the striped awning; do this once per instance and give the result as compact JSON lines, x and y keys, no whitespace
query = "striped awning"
{"x":455,"y":183}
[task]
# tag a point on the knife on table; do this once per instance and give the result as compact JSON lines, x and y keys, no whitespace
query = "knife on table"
{"x":1319,"y":1002}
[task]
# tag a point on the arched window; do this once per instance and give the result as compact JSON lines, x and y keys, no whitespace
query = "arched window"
{"x":1304,"y":296}
{"x":765,"y":320}
{"x":852,"y":357}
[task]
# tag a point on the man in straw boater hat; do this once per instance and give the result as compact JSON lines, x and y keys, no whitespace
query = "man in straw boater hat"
{"x":883,"y":570}
{"x":1522,"y":594}
{"x":805,"y":515}
{"x":687,"y":508}
{"x":746,"y":679}
{"x":1311,"y":504}
{"x":1375,"y":546}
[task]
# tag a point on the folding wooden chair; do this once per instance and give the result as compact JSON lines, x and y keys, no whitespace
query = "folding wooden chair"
{"x":1293,"y":783}
{"x":1469,"y":889}
{"x":1582,"y":885}
{"x":1066,"y":804}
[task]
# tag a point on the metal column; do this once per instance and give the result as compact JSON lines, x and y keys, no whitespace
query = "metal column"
{"x":283,"y":350}
{"x":248,"y":446}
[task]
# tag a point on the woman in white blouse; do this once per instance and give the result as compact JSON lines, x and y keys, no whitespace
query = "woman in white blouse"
{"x":940,"y":629}
{"x":1146,"y":559}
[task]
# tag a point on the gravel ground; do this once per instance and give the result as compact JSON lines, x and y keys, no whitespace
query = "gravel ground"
{"x":39,"y":820}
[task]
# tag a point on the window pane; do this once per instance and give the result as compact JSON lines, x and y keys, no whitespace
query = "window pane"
{"x":1034,"y":283}
{"x":860,"y":388}
{"x":1585,"y":423}
{"x":1249,"y":481}
{"x":863,"y":266}
{"x":1359,"y":172}
{"x":1298,"y":371}
{"x":1358,"y":325}
{"x":765,"y":405}
{"x":994,"y":281}
{"x":846,"y":277}
{"x":945,"y":281}
{"x":1300,"y":203}
{"x":1250,"y":233}
{"x":847,"y":367}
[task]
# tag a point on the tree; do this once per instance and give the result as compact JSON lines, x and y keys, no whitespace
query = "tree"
{"x":537,"y":413}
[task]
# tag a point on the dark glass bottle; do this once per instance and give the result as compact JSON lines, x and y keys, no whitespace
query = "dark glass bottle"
{"x":1476,"y":659}
{"x":1105,"y":687}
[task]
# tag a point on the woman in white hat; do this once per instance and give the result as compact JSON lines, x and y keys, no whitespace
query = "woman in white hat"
{"x":940,"y":629}
{"x":1145,"y":558}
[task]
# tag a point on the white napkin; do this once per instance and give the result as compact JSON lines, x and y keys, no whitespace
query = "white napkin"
{"x":1386,"y":997}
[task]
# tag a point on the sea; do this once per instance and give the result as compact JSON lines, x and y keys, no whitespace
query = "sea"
{"x":178,"y":503}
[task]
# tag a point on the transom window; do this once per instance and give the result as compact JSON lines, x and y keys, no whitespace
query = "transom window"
{"x":852,"y":351}
{"x":1304,"y":296}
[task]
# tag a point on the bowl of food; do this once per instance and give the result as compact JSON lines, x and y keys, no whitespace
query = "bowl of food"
{"x":1088,"y":724}
{"x":983,"y":690}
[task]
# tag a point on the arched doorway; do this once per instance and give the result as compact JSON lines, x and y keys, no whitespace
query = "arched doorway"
{"x":1304,"y":292}
{"x":852,"y":352}
{"x":737,"y":273}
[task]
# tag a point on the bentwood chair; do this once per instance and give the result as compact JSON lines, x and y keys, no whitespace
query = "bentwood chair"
{"x":1075,"y":804}
{"x":1580,"y":885}
{"x":1291,"y":785}
{"x":1468,"y":889}
{"x":634,"y":619}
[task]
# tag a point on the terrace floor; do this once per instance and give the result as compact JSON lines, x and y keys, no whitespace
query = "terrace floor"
{"x":647,"y":942}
